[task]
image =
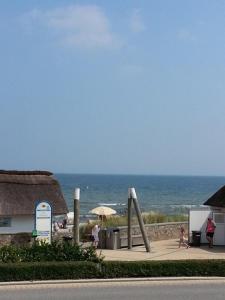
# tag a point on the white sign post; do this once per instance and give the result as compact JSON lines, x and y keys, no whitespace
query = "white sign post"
{"x":43,"y":221}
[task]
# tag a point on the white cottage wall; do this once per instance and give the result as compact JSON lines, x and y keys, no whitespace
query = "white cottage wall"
{"x":219,"y":236}
{"x":198,"y":220}
{"x":19,"y":224}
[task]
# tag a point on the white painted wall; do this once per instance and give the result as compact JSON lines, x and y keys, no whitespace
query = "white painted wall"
{"x":197,"y":221}
{"x":19,"y":224}
{"x":219,"y":236}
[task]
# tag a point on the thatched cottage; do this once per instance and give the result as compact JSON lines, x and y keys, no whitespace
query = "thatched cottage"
{"x":19,"y":193}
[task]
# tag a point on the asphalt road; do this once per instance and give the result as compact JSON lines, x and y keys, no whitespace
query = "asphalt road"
{"x":144,"y":290}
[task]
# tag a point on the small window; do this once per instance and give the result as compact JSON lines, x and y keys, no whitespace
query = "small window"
{"x":5,"y":222}
{"x":219,"y":218}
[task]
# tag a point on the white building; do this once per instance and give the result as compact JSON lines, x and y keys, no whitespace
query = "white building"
{"x":215,"y":208}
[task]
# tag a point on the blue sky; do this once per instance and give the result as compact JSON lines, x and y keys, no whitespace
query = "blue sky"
{"x":123,"y":87}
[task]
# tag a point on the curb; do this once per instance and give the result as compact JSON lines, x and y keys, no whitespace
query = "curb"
{"x":112,"y":280}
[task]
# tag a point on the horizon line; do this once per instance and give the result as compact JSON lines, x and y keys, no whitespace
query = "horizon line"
{"x":137,"y":174}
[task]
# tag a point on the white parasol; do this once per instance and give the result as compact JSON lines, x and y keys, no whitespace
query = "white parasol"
{"x":103,"y":211}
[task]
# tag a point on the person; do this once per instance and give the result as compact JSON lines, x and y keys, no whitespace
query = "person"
{"x":210,"y":229}
{"x":94,"y":232}
{"x":182,"y":240}
{"x":64,"y":223}
{"x":55,"y":226}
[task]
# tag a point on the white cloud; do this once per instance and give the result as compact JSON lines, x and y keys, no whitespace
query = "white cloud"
{"x":77,"y":25}
{"x":136,"y":22}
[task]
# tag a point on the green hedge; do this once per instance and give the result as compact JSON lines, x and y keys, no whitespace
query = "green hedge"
{"x":164,"y":268}
{"x":84,"y":269}
{"x":48,"y":271}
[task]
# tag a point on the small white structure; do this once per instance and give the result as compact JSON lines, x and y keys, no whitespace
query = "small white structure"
{"x":215,"y":208}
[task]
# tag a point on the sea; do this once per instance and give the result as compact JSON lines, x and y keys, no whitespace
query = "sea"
{"x":165,"y":194}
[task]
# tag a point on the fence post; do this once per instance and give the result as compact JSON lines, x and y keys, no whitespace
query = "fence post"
{"x":76,"y":216}
{"x":129,"y":228}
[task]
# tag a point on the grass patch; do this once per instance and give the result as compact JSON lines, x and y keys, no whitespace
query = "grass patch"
{"x":149,"y":218}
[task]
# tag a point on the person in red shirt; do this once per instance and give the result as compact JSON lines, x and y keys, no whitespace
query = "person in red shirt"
{"x":210,"y":229}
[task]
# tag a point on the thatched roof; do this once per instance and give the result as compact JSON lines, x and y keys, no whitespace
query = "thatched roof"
{"x":20,"y":190}
{"x":218,"y":199}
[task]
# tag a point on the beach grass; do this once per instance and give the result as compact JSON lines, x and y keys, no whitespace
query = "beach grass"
{"x":148,"y":218}
{"x":116,"y":221}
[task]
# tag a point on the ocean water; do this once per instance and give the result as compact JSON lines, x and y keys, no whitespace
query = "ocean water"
{"x":166,"y":194}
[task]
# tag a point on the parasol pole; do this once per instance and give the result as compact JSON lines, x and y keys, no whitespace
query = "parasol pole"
{"x":76,"y":217}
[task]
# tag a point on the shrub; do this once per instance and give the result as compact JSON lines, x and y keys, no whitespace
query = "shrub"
{"x":48,"y":252}
{"x":10,"y":254}
{"x":85,"y":232}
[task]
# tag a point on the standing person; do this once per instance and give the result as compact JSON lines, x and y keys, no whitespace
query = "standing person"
{"x":94,"y":232}
{"x":210,"y":229}
{"x":64,"y":223}
{"x":55,"y":226}
{"x":182,"y":238}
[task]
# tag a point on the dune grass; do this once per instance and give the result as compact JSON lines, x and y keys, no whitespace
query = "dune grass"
{"x":115,"y":221}
{"x":149,"y":218}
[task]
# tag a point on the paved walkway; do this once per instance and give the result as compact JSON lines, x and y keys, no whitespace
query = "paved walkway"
{"x":164,"y":250}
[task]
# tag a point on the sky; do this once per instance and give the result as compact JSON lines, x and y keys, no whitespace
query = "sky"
{"x":113,"y":87}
